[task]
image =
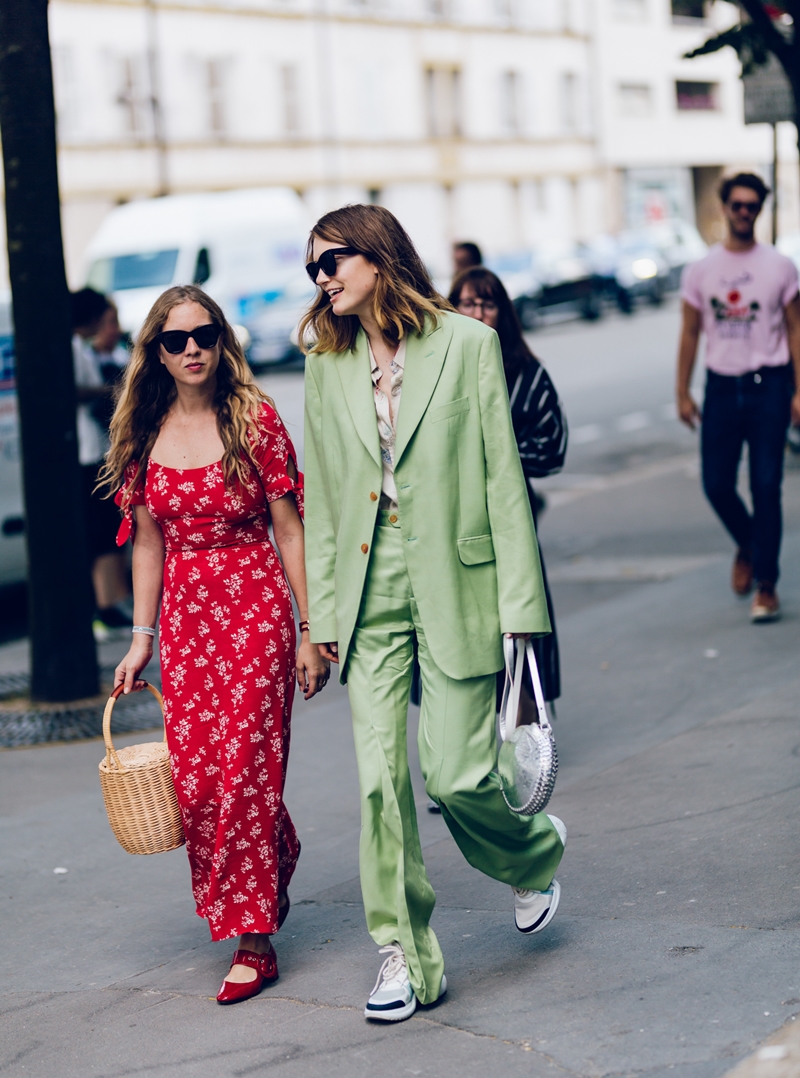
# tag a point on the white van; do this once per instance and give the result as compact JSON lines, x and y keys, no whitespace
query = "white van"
{"x":13,"y":558}
{"x":245,"y":248}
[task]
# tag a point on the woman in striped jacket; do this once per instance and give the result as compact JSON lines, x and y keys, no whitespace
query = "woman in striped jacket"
{"x":539,"y":423}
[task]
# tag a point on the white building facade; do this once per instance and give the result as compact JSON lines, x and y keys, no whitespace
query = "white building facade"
{"x":468,"y":118}
{"x":510,"y":122}
{"x":668,"y":127}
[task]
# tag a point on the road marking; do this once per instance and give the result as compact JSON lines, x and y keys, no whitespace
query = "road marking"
{"x":634,"y":570}
{"x":633,"y":421}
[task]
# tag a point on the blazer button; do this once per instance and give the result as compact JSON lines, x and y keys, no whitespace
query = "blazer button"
{"x":373,"y":497}
{"x":364,"y":548}
{"x":392,"y":519}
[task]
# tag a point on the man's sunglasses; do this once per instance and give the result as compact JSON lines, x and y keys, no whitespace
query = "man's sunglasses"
{"x":751,"y":207}
{"x":174,"y":341}
{"x":327,"y":262}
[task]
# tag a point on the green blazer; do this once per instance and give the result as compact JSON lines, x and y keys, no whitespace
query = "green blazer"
{"x":464,"y":513}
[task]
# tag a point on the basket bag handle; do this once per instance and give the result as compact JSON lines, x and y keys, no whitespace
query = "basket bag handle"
{"x":515,"y":653}
{"x":111,"y":752}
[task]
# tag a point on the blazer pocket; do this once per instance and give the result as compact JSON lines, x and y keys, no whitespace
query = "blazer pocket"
{"x":476,"y":549}
{"x":445,"y":411}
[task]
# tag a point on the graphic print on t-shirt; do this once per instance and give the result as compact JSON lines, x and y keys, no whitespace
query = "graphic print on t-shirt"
{"x":734,"y":315}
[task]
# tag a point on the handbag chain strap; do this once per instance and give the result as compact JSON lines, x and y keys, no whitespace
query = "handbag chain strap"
{"x":515,"y":653}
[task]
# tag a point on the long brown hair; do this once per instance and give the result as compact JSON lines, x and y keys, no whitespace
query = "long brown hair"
{"x":148,"y":392}
{"x":404,"y":294}
{"x":487,"y":285}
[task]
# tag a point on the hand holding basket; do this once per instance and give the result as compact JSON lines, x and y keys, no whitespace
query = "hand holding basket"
{"x":138,"y":790}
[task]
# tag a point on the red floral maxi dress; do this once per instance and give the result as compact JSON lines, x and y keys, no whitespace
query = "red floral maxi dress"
{"x":227,"y":663}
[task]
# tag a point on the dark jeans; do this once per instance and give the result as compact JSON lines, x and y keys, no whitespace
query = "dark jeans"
{"x":752,"y":408}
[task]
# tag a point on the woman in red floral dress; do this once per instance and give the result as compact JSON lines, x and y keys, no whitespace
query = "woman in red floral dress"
{"x":203,"y":466}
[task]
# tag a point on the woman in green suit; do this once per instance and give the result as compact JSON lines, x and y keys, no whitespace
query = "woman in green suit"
{"x":418,"y":534}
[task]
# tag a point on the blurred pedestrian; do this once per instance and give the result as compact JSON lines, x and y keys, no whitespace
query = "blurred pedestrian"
{"x":744,"y":296}
{"x":419,"y":533}
{"x":466,"y":254}
{"x":540,"y":429}
{"x":204,"y":466}
{"x":93,"y":315}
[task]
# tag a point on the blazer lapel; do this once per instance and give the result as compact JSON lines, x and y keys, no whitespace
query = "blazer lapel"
{"x":425,"y":356}
{"x":354,"y":374}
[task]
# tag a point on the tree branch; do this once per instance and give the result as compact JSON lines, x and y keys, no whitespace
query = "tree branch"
{"x":773,"y":38}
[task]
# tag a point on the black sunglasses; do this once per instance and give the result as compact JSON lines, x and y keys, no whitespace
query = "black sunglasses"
{"x":751,"y":207}
{"x":174,"y":341}
{"x":327,"y":262}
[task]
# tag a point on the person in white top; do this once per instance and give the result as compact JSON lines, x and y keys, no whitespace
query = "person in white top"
{"x":744,"y":296}
{"x":98,"y":357}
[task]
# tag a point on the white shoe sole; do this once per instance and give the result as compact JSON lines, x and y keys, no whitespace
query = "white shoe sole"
{"x":399,"y":1014}
{"x":548,"y":916}
{"x":759,"y":618}
{"x":393,"y":1014}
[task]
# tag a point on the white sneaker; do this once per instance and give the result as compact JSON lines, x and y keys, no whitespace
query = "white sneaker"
{"x":392,"y":999}
{"x":534,"y":910}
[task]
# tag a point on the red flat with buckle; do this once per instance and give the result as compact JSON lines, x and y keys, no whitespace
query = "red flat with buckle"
{"x":266,"y":967}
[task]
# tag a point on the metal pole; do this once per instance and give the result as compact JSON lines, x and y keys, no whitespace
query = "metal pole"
{"x":60,"y":601}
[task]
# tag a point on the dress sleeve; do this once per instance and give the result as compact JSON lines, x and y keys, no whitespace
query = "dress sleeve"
{"x":126,"y":498}
{"x":272,"y":454}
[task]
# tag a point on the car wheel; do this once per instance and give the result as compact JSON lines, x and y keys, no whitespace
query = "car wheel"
{"x":624,"y":301}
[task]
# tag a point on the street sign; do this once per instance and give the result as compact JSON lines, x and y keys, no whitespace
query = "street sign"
{"x":768,"y":95}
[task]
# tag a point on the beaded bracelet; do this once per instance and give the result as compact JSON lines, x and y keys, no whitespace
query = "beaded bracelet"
{"x":143,"y":629}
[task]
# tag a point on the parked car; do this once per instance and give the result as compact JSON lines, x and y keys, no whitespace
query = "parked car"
{"x":679,"y":243}
{"x":629,"y":268}
{"x":554,"y":281}
{"x":244,"y":247}
{"x":13,"y":558}
{"x":273,"y":330}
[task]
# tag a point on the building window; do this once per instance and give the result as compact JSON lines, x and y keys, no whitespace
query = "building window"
{"x":443,"y":101}
{"x":635,"y":99}
{"x":290,"y":98}
{"x":697,"y":96}
{"x":215,"y":71}
{"x":569,"y":102}
{"x":510,"y":104}
{"x":688,"y":9}
{"x":131,"y":95}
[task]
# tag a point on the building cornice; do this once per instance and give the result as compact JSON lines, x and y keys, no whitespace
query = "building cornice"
{"x":341,"y":18}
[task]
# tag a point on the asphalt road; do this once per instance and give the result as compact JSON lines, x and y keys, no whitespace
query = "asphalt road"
{"x":676,"y":947}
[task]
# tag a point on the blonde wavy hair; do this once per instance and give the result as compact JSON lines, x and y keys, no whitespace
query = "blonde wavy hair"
{"x":404,"y":295}
{"x":148,"y":392}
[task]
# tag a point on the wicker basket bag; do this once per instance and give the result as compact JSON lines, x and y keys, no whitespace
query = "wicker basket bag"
{"x":139,"y":792}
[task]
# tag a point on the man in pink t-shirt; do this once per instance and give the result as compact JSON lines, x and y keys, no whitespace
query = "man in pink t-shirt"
{"x":744,"y":296}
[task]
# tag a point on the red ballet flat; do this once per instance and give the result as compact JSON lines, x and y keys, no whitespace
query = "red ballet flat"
{"x":266,"y":967}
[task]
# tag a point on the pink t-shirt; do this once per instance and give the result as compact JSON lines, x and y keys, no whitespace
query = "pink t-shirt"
{"x":741,"y":296}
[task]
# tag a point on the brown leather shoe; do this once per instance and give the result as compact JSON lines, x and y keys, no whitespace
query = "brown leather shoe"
{"x":742,"y":574}
{"x":765,"y":605}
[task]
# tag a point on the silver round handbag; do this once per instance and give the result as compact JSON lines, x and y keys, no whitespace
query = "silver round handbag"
{"x":527,"y":763}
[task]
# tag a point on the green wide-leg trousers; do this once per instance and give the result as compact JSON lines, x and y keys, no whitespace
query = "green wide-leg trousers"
{"x":458,"y":753}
